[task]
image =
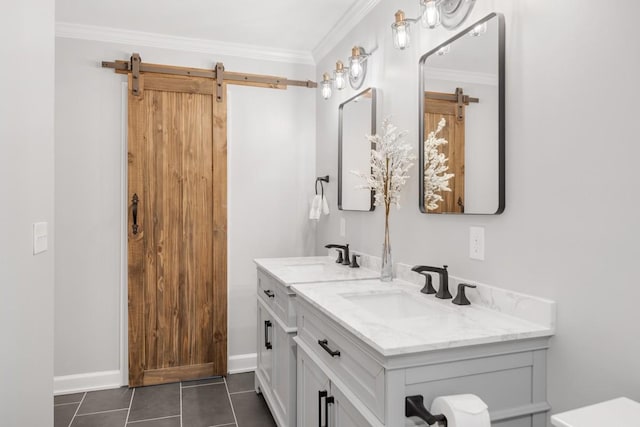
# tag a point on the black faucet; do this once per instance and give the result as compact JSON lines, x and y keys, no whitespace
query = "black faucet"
{"x":344,"y":260}
{"x":443,"y":291}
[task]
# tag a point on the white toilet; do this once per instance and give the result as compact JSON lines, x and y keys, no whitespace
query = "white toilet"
{"x":621,"y":412}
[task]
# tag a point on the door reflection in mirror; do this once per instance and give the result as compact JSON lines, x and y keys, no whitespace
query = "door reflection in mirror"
{"x":462,"y":82}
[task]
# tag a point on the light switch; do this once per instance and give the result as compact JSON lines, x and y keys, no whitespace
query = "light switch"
{"x":476,"y":243}
{"x":40,"y":237}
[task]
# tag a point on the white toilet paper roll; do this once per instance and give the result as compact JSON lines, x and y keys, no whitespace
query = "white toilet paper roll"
{"x":462,"y":410}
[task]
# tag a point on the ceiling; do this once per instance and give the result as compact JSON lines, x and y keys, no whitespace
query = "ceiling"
{"x":296,"y":25}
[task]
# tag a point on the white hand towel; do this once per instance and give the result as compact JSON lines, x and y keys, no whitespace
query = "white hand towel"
{"x":325,"y":205}
{"x":314,"y":212}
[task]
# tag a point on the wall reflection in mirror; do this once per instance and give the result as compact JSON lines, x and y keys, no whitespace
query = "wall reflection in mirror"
{"x":357,"y":120}
{"x":462,"y":122}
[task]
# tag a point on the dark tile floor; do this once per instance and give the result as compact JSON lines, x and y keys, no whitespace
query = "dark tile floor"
{"x":214,"y":402}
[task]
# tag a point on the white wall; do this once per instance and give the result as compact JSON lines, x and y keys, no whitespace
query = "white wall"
{"x":26,"y":196}
{"x":571,"y":222}
{"x":271,"y":170}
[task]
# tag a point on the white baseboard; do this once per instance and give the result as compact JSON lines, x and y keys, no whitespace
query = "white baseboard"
{"x":242,"y":363}
{"x":104,"y":380}
{"x":86,"y":382}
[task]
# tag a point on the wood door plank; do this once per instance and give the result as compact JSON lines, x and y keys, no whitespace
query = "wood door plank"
{"x":200,"y":201}
{"x":174,"y":277}
{"x":220,"y":234}
{"x":152,"y":188}
{"x":136,"y":124}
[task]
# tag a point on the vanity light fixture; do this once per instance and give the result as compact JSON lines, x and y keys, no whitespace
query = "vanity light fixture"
{"x":326,"y":86}
{"x":401,"y":30}
{"x":357,"y":66}
{"x":355,"y":73}
{"x":430,"y":13}
{"x":448,"y":13}
{"x":339,"y":76}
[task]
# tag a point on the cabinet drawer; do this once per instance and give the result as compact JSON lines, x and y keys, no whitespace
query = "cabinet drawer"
{"x":277,"y":297}
{"x":360,"y":372}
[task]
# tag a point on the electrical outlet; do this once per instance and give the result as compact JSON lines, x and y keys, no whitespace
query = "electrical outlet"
{"x":343,"y":227}
{"x":40,"y":237}
{"x":476,"y":243}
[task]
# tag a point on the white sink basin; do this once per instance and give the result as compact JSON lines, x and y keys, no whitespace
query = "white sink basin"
{"x":389,"y":305}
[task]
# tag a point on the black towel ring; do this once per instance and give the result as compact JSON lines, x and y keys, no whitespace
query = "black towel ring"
{"x":321,"y":179}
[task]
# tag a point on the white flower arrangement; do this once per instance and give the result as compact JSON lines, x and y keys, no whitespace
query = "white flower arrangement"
{"x":391,"y":160}
{"x":436,"y":178}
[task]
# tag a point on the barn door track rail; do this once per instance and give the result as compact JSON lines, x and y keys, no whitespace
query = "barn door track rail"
{"x":136,"y":67}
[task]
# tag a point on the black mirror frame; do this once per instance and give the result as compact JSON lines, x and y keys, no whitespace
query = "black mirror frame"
{"x":501,"y":115}
{"x":373,"y":131}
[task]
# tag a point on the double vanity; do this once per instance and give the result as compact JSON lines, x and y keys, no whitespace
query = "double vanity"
{"x":337,"y":347}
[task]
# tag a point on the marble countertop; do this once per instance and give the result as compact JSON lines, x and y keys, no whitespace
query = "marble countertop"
{"x":312,"y":269}
{"x":394,"y":318}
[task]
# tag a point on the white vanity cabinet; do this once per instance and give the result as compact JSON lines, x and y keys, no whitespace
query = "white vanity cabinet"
{"x":276,"y":325}
{"x":368,"y":367}
{"x":276,"y":352}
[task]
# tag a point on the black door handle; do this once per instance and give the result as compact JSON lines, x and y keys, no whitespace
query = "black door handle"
{"x":134,"y":203}
{"x":269,"y":293}
{"x":333,"y":353}
{"x":267,"y":325}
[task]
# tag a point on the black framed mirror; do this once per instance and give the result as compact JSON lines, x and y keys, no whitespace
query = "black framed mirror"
{"x":357,"y":120}
{"x":462,"y":122}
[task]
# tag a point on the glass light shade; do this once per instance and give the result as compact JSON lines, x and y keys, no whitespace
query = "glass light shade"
{"x":430,"y":14}
{"x":355,"y":66}
{"x":479,"y":29}
{"x":339,"y":76}
{"x":325,"y":86}
{"x":401,"y":35}
{"x":340,"y":79}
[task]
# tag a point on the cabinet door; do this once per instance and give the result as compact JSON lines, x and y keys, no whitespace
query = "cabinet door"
{"x":265,"y":345}
{"x":342,"y":413}
{"x":313,"y":389}
{"x":283,"y":379}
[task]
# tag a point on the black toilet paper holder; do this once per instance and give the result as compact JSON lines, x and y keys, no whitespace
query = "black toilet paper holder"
{"x":414,"y":407}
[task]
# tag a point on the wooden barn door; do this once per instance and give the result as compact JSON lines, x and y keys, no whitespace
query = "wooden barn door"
{"x":177,"y":230}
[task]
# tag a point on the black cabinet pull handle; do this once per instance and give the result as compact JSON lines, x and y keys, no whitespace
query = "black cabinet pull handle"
{"x":267,"y":325}
{"x":328,"y":401}
{"x":269,"y":293}
{"x":333,"y":353}
{"x":321,"y":394}
{"x":134,"y":202}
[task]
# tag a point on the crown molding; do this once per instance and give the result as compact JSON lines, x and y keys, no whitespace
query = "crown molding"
{"x":164,"y":41}
{"x":461,"y":76}
{"x":349,"y":20}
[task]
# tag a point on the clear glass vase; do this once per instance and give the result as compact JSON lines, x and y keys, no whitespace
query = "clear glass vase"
{"x":386,"y":269}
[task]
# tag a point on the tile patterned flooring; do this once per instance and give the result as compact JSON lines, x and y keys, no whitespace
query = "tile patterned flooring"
{"x":214,"y":402}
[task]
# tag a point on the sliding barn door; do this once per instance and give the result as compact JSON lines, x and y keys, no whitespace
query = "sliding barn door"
{"x":436,"y":109}
{"x":177,"y":230}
